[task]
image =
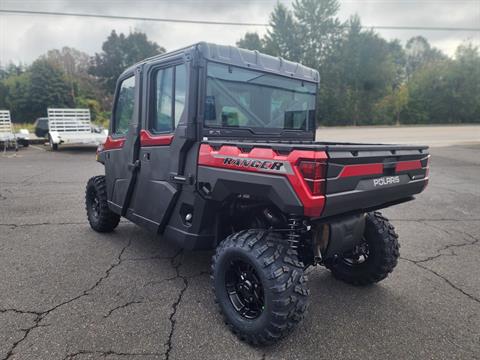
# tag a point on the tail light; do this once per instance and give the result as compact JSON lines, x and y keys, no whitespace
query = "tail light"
{"x":313,"y":173}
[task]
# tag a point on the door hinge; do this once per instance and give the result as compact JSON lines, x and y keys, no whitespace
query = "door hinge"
{"x":134,"y":166}
{"x":182,"y":179}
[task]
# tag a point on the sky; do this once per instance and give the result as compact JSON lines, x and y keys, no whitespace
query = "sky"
{"x":25,"y":37}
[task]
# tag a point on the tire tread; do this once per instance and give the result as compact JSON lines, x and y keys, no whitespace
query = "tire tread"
{"x":108,"y":220}
{"x":284,"y":277}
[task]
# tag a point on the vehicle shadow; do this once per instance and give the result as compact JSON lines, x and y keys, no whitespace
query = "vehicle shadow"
{"x":338,"y":314}
{"x":73,"y":149}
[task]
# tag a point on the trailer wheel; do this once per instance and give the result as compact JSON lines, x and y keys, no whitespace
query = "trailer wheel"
{"x":374,"y":259}
{"x":259,"y":285}
{"x":23,"y":142}
{"x":53,"y":146}
{"x":100,"y":217}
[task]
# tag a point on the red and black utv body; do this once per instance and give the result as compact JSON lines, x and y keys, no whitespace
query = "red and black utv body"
{"x":213,"y":147}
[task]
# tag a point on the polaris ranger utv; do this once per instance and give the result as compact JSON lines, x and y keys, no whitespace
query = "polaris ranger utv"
{"x":213,"y":147}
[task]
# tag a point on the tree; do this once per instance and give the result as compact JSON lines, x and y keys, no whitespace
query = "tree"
{"x":399,"y":60}
{"x":319,"y":29}
{"x":389,"y":109}
{"x":29,"y":94}
{"x":48,"y":87}
{"x":73,"y":62}
{"x":464,"y":82}
{"x":359,"y":72}
{"x":74,"y":65}
{"x":282,"y":38}
{"x":420,"y":53}
{"x":118,"y":53}
{"x":17,"y":91}
{"x":251,"y":41}
{"x":446,"y":91}
{"x":84,"y":87}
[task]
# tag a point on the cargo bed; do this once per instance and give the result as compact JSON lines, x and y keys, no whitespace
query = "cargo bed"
{"x":357,"y":177}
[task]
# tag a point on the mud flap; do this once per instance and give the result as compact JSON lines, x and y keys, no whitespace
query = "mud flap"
{"x":345,"y":233}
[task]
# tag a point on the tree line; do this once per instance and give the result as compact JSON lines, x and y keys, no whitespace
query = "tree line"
{"x":71,"y":78}
{"x":365,"y":79}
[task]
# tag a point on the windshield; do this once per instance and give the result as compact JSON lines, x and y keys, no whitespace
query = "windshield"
{"x":241,"y":98}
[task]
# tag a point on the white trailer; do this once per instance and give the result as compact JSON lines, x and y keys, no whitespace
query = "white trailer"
{"x":72,"y":126}
{"x":7,"y":137}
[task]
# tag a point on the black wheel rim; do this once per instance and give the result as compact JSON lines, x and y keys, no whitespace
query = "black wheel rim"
{"x":358,"y":256}
{"x":94,"y":204}
{"x":244,"y":289}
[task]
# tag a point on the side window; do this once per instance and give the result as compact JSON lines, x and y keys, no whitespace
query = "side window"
{"x":180,"y":91}
{"x":124,"y":107}
{"x":169,"y":101}
{"x":163,"y":101}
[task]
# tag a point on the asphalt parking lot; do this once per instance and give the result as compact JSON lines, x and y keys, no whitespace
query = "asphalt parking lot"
{"x":67,"y":292}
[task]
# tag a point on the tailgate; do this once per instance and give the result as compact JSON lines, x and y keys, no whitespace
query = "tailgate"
{"x":365,"y":177}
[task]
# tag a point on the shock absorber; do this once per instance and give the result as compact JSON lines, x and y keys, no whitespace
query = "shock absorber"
{"x":295,"y":225}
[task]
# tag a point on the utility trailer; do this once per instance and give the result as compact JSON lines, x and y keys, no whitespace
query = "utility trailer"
{"x":7,"y":137}
{"x":72,"y":126}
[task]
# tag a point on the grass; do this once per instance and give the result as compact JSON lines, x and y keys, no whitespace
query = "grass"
{"x":28,"y":126}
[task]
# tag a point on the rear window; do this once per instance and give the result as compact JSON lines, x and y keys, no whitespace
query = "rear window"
{"x":243,"y":98}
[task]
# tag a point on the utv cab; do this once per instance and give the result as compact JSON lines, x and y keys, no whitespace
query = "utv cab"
{"x":213,"y":147}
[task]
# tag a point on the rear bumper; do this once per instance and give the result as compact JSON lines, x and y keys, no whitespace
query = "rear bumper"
{"x":365,"y":200}
{"x":77,"y":138}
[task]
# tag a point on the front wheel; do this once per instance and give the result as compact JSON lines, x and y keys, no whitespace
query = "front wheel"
{"x":100,"y":217}
{"x":374,"y":258}
{"x":259,"y":285}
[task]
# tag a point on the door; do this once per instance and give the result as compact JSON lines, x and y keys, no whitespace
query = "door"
{"x":159,"y":155}
{"x":122,"y":145}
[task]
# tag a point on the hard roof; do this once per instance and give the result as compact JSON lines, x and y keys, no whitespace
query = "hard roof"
{"x":244,"y":58}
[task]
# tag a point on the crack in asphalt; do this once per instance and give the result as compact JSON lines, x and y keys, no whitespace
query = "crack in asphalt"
{"x":175,"y":305}
{"x":19,"y":311}
{"x":441,"y":219}
{"x":104,"y":354}
{"x":420,"y":265}
{"x":16,"y":226}
{"x":157,"y":257}
{"x":27,"y":180}
{"x":439,"y":254}
{"x":122,"y":307}
{"x":39,"y":316}
{"x":449,"y":246}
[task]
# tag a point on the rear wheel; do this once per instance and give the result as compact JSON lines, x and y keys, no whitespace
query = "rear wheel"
{"x":259,"y":285}
{"x":100,"y":217}
{"x":23,"y":142}
{"x":53,"y":146}
{"x":374,"y":258}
